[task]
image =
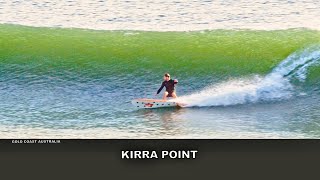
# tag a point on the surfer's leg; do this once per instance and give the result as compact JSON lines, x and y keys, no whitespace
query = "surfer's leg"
{"x":165,"y":94}
{"x":174,"y":95}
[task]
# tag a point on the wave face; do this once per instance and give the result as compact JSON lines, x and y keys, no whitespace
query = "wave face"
{"x":274,"y":86}
{"x":133,"y":62}
{"x":207,"y":54}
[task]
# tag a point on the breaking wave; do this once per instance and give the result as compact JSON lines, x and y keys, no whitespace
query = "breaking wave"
{"x":277,"y":85}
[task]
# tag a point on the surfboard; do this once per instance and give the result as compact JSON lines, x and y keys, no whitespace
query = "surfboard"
{"x":154,"y":103}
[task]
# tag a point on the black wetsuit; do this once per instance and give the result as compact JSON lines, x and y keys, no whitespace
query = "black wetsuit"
{"x":169,"y":87}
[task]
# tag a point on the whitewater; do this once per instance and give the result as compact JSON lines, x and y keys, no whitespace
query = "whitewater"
{"x":274,"y":86}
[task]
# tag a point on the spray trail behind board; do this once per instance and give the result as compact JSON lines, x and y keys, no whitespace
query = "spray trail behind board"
{"x":274,"y":86}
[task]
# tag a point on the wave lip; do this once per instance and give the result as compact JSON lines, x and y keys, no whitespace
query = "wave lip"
{"x":274,"y":86}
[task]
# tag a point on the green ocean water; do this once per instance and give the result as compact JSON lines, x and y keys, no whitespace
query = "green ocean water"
{"x":60,"y":79}
{"x":218,"y":52}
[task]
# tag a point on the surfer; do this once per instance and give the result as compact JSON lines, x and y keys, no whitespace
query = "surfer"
{"x":169,"y":84}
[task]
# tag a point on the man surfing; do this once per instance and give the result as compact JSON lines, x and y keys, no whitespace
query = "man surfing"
{"x":169,"y":84}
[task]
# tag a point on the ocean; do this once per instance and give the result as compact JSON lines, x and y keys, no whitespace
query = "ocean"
{"x":246,"y":69}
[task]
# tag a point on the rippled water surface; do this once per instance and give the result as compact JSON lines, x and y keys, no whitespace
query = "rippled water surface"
{"x":163,"y":15}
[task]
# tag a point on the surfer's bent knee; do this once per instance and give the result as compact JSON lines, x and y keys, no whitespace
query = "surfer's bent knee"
{"x":165,"y":94}
{"x":174,"y":95}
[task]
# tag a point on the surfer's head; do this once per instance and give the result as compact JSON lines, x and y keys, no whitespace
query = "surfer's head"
{"x":166,"y":77}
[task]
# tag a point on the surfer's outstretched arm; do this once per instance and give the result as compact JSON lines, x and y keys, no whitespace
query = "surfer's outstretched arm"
{"x":160,"y":89}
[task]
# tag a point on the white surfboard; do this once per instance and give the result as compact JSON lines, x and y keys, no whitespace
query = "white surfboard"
{"x":154,"y":103}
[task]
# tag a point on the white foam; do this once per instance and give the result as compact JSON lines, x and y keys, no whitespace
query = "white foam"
{"x":274,"y":86}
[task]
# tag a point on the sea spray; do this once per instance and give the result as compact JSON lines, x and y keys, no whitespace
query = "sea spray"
{"x":297,"y":64}
{"x":274,"y":86}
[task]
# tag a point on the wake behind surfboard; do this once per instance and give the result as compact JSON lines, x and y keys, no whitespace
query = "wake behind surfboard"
{"x":154,"y":103}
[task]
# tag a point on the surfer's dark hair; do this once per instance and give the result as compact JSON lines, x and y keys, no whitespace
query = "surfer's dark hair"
{"x":167,"y":75}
